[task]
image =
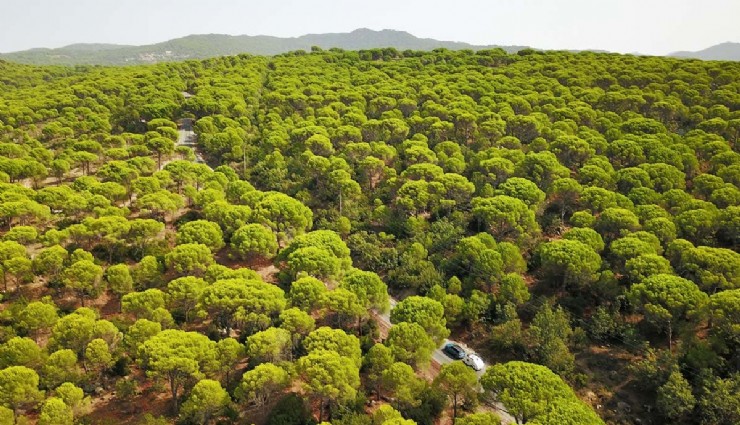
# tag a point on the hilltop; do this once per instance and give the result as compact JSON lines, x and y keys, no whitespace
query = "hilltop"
{"x":203,"y":46}
{"x":720,"y":52}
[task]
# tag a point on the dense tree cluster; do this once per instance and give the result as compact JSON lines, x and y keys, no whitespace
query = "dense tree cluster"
{"x":567,"y":214}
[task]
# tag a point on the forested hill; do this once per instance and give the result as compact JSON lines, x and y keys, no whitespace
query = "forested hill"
{"x":224,"y":240}
{"x":724,"y":51}
{"x":211,"y":45}
{"x":202,"y":46}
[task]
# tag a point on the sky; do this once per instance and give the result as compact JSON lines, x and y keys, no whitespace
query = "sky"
{"x":626,"y":26}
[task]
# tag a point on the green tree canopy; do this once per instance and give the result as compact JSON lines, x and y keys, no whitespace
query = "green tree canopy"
{"x":329,"y":377}
{"x":425,"y":312}
{"x":254,"y":239}
{"x":261,"y":383}
{"x":56,"y":412}
{"x":176,"y":356}
{"x":207,"y":400}
{"x":410,"y":343}
{"x":191,"y":258}
{"x":19,"y":388}
{"x":529,"y":392}
{"x":459,"y":382}
{"x":668,"y":300}
{"x":569,"y":262}
{"x":203,"y":232}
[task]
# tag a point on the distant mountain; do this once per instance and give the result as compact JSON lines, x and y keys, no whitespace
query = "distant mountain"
{"x":92,"y":47}
{"x":203,"y":46}
{"x":210,"y":45}
{"x":721,"y":52}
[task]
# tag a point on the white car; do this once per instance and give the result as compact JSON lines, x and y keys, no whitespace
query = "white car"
{"x":474,"y":361}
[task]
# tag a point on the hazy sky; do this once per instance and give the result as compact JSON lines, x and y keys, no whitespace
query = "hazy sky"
{"x":646,"y":26}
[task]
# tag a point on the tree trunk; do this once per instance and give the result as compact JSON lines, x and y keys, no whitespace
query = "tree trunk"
{"x":454,"y":408}
{"x":173,"y":389}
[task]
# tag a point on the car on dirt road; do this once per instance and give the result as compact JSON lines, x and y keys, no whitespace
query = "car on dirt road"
{"x":454,"y":351}
{"x":473,"y":360}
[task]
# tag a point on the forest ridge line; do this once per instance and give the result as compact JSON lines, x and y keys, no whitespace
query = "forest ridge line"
{"x":203,"y":46}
